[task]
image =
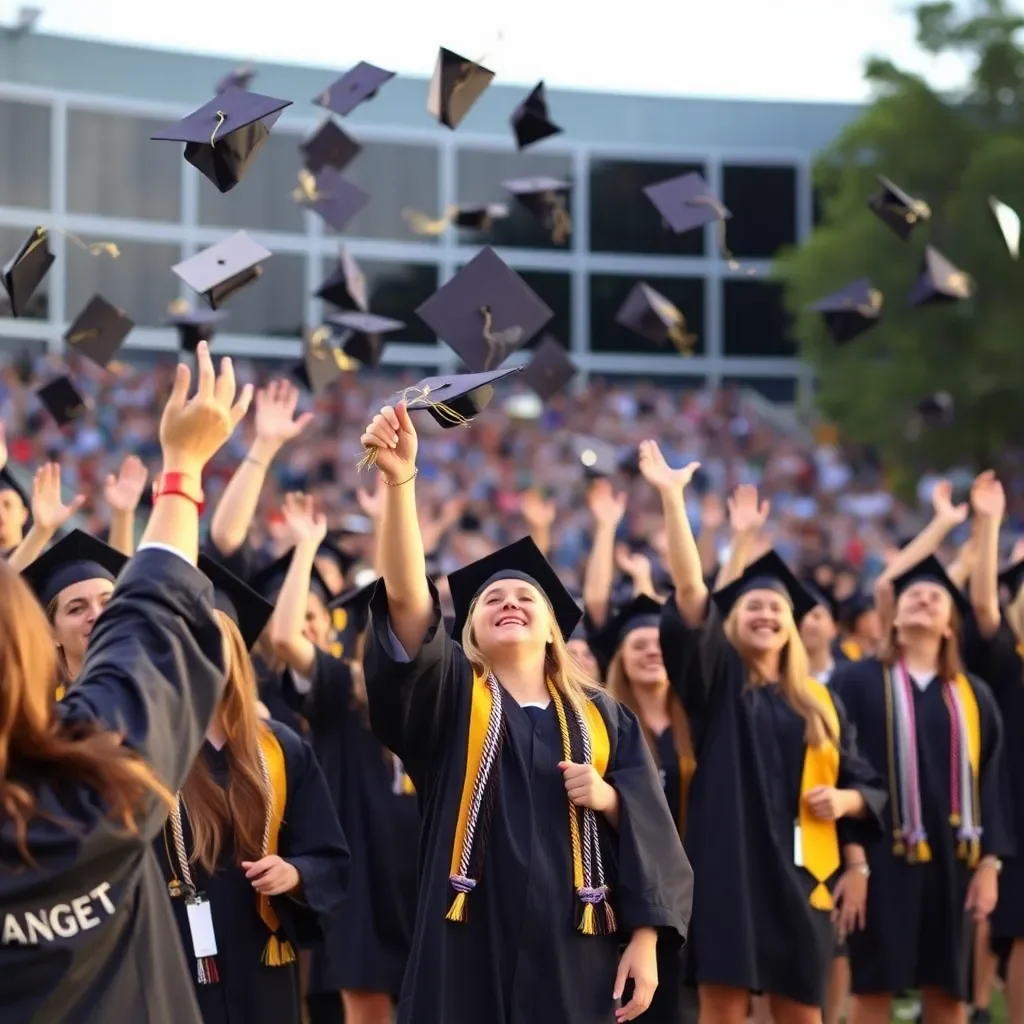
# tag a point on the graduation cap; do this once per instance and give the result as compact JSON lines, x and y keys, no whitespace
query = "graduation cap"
{"x":240,"y":78}
{"x":9,"y":482}
{"x":769,"y":572}
{"x":485,"y":312}
{"x":329,"y":146}
{"x":220,"y":271}
{"x":99,"y":331}
{"x":523,"y":561}
{"x":193,"y":325}
{"x":897,"y":209}
{"x":455,"y":399}
{"x":63,"y":401}
{"x":322,"y":362}
{"x":939,"y":281}
{"x":346,"y":286}
{"x":457,"y":83}
{"x":531,"y":121}
{"x":929,"y":570}
{"x":356,"y":603}
{"x":641,"y":612}
{"x":73,"y":559}
{"x":937,"y":410}
{"x":550,"y":369}
{"x":244,"y":606}
{"x":354,"y":87}
{"x":1012,"y":577}
{"x":223,"y":137}
{"x":330,"y":551}
{"x":331,"y":195}
{"x":849,"y":610}
{"x":686,"y":203}
{"x":268,"y":581}
{"x":822,"y":599}
{"x":1008,"y":221}
{"x":652,"y":316}
{"x":365,"y":341}
{"x":851,"y":311}
{"x":548,"y":200}
{"x":466,"y":217}
{"x":25,"y":273}
{"x":598,"y":458}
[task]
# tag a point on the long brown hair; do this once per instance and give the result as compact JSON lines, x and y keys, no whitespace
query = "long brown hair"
{"x":33,"y":740}
{"x":948,"y":664}
{"x":241,"y":808}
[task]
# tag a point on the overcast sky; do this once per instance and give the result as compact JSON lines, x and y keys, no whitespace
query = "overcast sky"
{"x":786,"y":49}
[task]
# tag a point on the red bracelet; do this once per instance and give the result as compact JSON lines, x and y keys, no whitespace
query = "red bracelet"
{"x":182,"y":485}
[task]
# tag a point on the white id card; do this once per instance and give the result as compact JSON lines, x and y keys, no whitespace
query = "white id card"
{"x":798,"y":845}
{"x":200,"y":924}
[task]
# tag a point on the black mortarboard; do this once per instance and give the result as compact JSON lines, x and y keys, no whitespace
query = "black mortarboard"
{"x":99,"y":331}
{"x":220,"y":271}
{"x":223,"y":137}
{"x":241,"y":78}
{"x":346,"y":286}
{"x":548,"y":200}
{"x":641,"y":612}
{"x":25,"y":273}
{"x":851,"y":311}
{"x":73,"y":559}
{"x":530,"y":120}
{"x":521,"y":560}
{"x":354,"y":87}
{"x":686,"y":203}
{"x":9,"y":482}
{"x":454,"y":399}
{"x":322,"y":362}
{"x":365,"y":342}
{"x":355,"y":601}
{"x":597,"y":457}
{"x":1011,"y":577}
{"x":64,"y":402}
{"x":939,"y":281}
{"x":769,"y":572}
{"x":550,"y":369}
{"x":330,"y":550}
{"x":937,"y":410}
{"x":329,"y":146}
{"x":457,"y":83}
{"x":194,"y":325}
{"x":485,"y":312}
{"x":478,"y":216}
{"x":336,"y":199}
{"x":930,"y":570}
{"x":850,"y":609}
{"x":897,"y":209}
{"x":269,"y":580}
{"x":652,"y":316}
{"x":821,"y":597}
{"x":245,"y":607}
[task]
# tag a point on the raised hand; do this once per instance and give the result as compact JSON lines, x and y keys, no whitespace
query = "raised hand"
{"x":633,"y":564}
{"x":943,"y":507}
{"x":304,"y":523}
{"x":276,"y":423}
{"x":49,"y":513}
{"x":124,"y":491}
{"x":747,"y":515}
{"x":606,"y":506}
{"x":371,"y":503}
{"x":657,"y":472}
{"x":988,"y":499}
{"x":193,"y":429}
{"x":712,"y":512}
{"x":392,"y":434}
{"x":538,"y":512}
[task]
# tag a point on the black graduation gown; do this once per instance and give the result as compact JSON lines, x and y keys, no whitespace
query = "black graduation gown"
{"x":753,"y":926}
{"x":311,"y":839}
{"x":518,"y":958}
{"x":85,"y":931}
{"x":918,"y":933}
{"x":369,"y":942}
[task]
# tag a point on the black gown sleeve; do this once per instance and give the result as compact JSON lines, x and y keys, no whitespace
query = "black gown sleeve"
{"x":654,"y":884}
{"x":244,"y":563}
{"x":154,"y":670}
{"x":994,"y":659}
{"x":856,"y":772}
{"x":329,"y":698}
{"x":412,"y":702}
{"x":680,"y":647}
{"x":997,"y":838}
{"x":312,"y":841}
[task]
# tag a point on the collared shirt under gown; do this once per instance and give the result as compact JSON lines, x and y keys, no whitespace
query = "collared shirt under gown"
{"x":518,"y":958}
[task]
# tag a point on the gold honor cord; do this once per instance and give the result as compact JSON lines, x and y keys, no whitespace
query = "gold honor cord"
{"x":558,"y":216}
{"x":92,"y":248}
{"x":307,"y":191}
{"x":319,"y":346}
{"x":723,"y":248}
{"x":422,"y":224}
{"x":415,"y":397}
{"x":497,"y":344}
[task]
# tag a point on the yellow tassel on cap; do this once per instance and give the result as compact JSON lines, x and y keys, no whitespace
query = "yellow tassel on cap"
{"x":821,"y":898}
{"x":457,"y":911}
{"x":588,"y":925}
{"x":277,"y":953}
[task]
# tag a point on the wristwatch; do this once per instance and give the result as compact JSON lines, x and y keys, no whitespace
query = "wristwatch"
{"x":993,"y":862}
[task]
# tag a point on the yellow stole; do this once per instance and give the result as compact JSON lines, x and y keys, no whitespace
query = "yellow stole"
{"x":820,"y":839}
{"x":277,"y":952}
{"x":61,"y":692}
{"x":851,"y":649}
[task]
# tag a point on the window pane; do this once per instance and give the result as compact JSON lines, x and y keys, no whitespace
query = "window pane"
{"x":756,"y":321}
{"x":139,"y":281}
{"x":262,"y":199}
{"x":14,"y":350}
{"x":623,"y":219}
{"x":480,"y":176}
{"x":114,"y":170}
{"x":275,"y":305}
{"x":762,"y":201}
{"x":775,"y":389}
{"x":11,"y":241}
{"x":24,"y":155}
{"x":397,"y":175}
{"x":555,"y":290}
{"x":609,"y":291}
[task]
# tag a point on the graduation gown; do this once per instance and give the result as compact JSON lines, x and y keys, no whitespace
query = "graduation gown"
{"x":518,"y":957}
{"x":753,"y":926}
{"x":311,"y":839}
{"x":85,"y":931}
{"x":918,"y":933}
{"x":367,"y":947}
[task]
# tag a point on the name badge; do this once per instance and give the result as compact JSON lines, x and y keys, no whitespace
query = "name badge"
{"x":798,"y":845}
{"x":200,"y":924}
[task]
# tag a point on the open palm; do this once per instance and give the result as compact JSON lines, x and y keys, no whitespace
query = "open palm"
{"x":124,"y":491}
{"x":658,"y":473}
{"x":49,"y":513}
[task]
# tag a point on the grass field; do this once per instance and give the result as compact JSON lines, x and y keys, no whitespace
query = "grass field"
{"x":999,"y":1014}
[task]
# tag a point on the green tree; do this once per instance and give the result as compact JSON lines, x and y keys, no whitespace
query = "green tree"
{"x":953,"y":152}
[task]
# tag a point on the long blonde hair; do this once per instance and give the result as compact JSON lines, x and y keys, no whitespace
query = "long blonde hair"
{"x":794,"y":672}
{"x":241,"y":808}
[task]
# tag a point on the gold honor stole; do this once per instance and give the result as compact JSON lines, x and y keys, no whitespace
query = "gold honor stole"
{"x":277,"y":952}
{"x":820,"y":839}
{"x":851,"y":649}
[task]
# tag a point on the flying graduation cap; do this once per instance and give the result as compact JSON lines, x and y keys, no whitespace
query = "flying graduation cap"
{"x":330,"y":194}
{"x":223,"y":137}
{"x":897,"y":209}
{"x":346,"y":285}
{"x":457,"y":83}
{"x":99,"y":331}
{"x":686,"y":203}
{"x":25,"y":273}
{"x":63,"y":401}
{"x":649,"y":314}
{"x":322,"y":363}
{"x":194,"y":325}
{"x":241,"y":78}
{"x":548,"y":200}
{"x":356,"y":86}
{"x":851,"y":311}
{"x":939,"y":281}
{"x":530,"y":120}
{"x":329,"y":146}
{"x":365,"y":341}
{"x":550,"y":369}
{"x":220,"y":271}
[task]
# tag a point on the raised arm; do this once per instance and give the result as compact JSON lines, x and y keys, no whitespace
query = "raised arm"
{"x":49,"y":514}
{"x":607,"y":507}
{"x":747,"y":517}
{"x":961,"y":568}
{"x":538,"y":513}
{"x":712,"y":518}
{"x":123,"y":493}
{"x":989,"y":503}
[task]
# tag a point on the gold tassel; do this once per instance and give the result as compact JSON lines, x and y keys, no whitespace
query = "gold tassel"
{"x":924,"y":852}
{"x":821,"y":898}
{"x":954,"y":820}
{"x":457,"y":911}
{"x":961,"y":850}
{"x":277,"y":953}
{"x":588,"y":925}
{"x":975,"y":855}
{"x":899,"y":849}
